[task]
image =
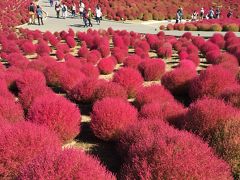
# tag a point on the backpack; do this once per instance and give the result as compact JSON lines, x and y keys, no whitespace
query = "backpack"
{"x":64,"y":8}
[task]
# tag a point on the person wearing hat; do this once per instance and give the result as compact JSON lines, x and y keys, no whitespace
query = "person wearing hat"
{"x":201,"y":13}
{"x":89,"y":17}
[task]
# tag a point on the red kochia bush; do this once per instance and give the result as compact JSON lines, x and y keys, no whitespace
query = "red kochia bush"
{"x":232,"y":95}
{"x":66,"y":164}
{"x":171,"y":112}
{"x":106,"y":65}
{"x":84,"y":90}
{"x":153,"y":93}
{"x":132,"y":61}
{"x":110,"y":89}
{"x":42,"y":48}
{"x":21,"y":143}
{"x":54,"y":73}
{"x":10,"y":110}
{"x":177,"y":81}
{"x":58,"y":114}
{"x":219,"y":124}
{"x":211,"y":82}
{"x":166,"y":153}
{"x":28,"y":47}
{"x":70,"y":41}
{"x":152,"y":70}
{"x":110,"y":117}
{"x":130,"y":79}
{"x":4,"y":92}
{"x":90,"y":71}
{"x":31,"y":78}
{"x":93,"y":56}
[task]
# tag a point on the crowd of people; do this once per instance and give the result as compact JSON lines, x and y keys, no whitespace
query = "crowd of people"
{"x":62,"y":11}
{"x":211,"y":14}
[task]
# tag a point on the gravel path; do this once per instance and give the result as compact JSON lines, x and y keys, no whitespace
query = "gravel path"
{"x":51,"y":23}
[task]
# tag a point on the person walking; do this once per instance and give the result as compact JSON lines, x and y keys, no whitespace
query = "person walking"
{"x":194,"y":16}
{"x":73,"y":9}
{"x":217,"y":13}
{"x":89,"y":17}
{"x":31,"y":10}
{"x":211,"y":13}
{"x":39,"y":13}
{"x":51,"y":3}
{"x":229,"y":14}
{"x":85,"y":17}
{"x":177,"y":17}
{"x":64,"y":11}
{"x":81,"y":8}
{"x":98,"y":14}
{"x":57,"y":8}
{"x":201,"y":13}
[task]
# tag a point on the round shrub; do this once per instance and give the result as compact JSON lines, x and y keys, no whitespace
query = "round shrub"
{"x":70,"y":41}
{"x":211,"y":82}
{"x":84,"y":90}
{"x":212,"y":56}
{"x":56,"y":113}
{"x":83,"y":52}
{"x":11,"y":110}
{"x":216,"y":27}
{"x":209,"y":46}
{"x":28,"y":47}
{"x":110,"y":117}
{"x":106,"y":65}
{"x":93,"y":56}
{"x":71,"y":79}
{"x":178,"y":80}
{"x":119,"y":54}
{"x":31,"y":78}
{"x":232,"y":95}
{"x":153,"y":93}
{"x":166,"y":153}
{"x":4,"y":92}
{"x":42,"y":48}
{"x":54,"y":73}
{"x":21,"y":143}
{"x":218,"y":124}
{"x":132,"y":61}
{"x":165,"y":51}
{"x":231,"y":27}
{"x":110,"y":89}
{"x":218,"y":39}
{"x":152,"y":70}
{"x":66,"y":164}
{"x":104,"y":50}
{"x":130,"y":79}
{"x":90,"y":71}
{"x":171,"y":112}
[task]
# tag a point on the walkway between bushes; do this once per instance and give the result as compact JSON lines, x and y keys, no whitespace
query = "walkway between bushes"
{"x":54,"y":24}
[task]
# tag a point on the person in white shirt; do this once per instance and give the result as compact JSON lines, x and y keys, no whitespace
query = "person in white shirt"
{"x":81,"y":8}
{"x":64,"y":11}
{"x":201,"y":13}
{"x":73,"y":9}
{"x":98,"y":14}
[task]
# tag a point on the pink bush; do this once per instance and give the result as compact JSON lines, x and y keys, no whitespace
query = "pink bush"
{"x":84,"y":90}
{"x":18,"y":146}
{"x":153,"y":93}
{"x":211,"y":82}
{"x":104,"y":50}
{"x":70,"y":41}
{"x":178,"y":80}
{"x":218,"y":39}
{"x":110,"y":89}
{"x":166,"y":153}
{"x":11,"y":110}
{"x":58,"y":114}
{"x":83,"y":52}
{"x":212,"y":56}
{"x":54,"y":73}
{"x":119,"y":54}
{"x":152,"y":70}
{"x":71,"y":78}
{"x":69,"y":163}
{"x":130,"y":79}
{"x":165,"y":51}
{"x":132,"y":61}
{"x":110,"y":117}
{"x":31,"y":78}
{"x":42,"y":48}
{"x":93,"y":56}
{"x":4,"y":92}
{"x":90,"y":71}
{"x":28,"y":47}
{"x":171,"y":112}
{"x":218,"y":124}
{"x":232,"y":95}
{"x":106,"y":65}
